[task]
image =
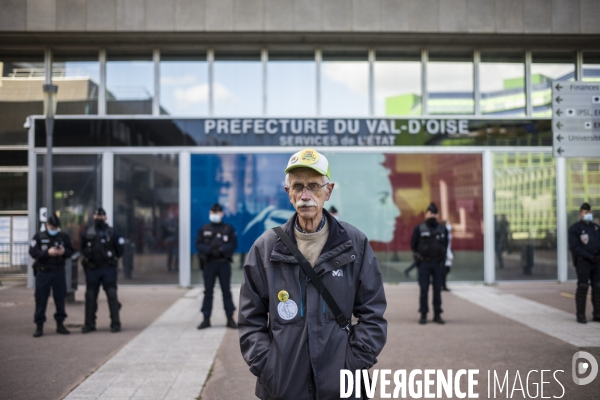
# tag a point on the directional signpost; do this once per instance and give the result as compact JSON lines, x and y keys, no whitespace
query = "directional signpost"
{"x":576,"y":119}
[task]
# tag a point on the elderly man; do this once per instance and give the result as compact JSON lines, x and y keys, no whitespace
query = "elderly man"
{"x":289,"y":334}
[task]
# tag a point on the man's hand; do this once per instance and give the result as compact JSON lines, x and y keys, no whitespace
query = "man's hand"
{"x":60,"y":250}
{"x":417,"y":257}
{"x":53,"y":252}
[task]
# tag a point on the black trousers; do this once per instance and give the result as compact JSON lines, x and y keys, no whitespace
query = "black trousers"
{"x":107,"y":278}
{"x":211,"y":271}
{"x":587,"y":272}
{"x":431,"y":272}
{"x":44,"y":281}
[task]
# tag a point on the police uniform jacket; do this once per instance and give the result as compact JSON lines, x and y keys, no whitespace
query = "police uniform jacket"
{"x":42,"y":242}
{"x":101,"y":247}
{"x":431,"y":233}
{"x":296,"y":347}
{"x":216,"y":242}
{"x":584,"y":240}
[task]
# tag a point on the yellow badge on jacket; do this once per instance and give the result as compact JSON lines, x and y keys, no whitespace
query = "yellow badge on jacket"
{"x":283,"y":296}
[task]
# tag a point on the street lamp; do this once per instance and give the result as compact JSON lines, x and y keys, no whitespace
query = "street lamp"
{"x":50,"y":100}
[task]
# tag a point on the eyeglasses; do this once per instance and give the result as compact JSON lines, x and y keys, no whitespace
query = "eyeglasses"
{"x":311,"y":187}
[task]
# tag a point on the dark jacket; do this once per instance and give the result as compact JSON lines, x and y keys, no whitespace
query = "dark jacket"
{"x":42,"y":242}
{"x":578,"y":232}
{"x":301,"y":357}
{"x":216,"y":242}
{"x":101,"y":247}
{"x":432,"y":229}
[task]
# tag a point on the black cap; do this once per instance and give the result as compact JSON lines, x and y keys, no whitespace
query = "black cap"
{"x":333,"y":210}
{"x":216,"y":208}
{"x":99,"y":211}
{"x":433,"y":208}
{"x":585,"y":206}
{"x":54,"y":220}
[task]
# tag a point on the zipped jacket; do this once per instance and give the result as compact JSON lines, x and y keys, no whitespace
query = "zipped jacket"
{"x":295,"y":347}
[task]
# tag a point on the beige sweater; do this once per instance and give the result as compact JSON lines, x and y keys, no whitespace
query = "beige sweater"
{"x":311,"y":244}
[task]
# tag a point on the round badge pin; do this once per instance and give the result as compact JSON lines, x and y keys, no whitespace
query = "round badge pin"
{"x":308,"y":157}
{"x":283,"y":296}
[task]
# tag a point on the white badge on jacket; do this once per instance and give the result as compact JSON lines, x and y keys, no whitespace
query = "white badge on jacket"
{"x":584,"y":238}
{"x":287,"y":309}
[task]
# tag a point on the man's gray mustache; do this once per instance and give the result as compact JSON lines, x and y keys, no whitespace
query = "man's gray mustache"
{"x":308,"y":203}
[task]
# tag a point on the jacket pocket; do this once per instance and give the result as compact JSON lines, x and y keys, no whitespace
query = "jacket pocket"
{"x":351,"y":363}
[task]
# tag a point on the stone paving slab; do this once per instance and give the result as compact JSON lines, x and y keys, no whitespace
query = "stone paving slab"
{"x":549,"y":320}
{"x":170,"y":359}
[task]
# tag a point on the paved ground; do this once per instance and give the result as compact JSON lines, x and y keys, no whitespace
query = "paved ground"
{"x":509,"y":327}
{"x":51,"y":366}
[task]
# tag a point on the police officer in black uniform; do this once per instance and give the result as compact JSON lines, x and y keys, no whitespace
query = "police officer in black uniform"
{"x":50,"y":249}
{"x":216,"y":242}
{"x":429,"y":243}
{"x":584,"y":243}
{"x":101,"y":246}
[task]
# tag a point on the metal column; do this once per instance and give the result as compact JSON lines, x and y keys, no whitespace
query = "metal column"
{"x":156,"y":97}
{"x":264,"y":58}
{"x":489,"y":266}
{"x":102,"y":88}
{"x":424,"y":96}
{"x":528,"y":85}
{"x":31,"y":197}
{"x":562,"y":251}
{"x":476,"y":80}
{"x":371,"y":82}
{"x":108,"y":168}
{"x":318,"y":60}
{"x":210,"y":58}
{"x":185,"y":213}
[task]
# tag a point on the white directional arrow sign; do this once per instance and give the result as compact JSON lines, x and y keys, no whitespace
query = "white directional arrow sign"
{"x":576,"y":119}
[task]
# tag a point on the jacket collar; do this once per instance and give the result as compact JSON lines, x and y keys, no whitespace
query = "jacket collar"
{"x":338,"y":242}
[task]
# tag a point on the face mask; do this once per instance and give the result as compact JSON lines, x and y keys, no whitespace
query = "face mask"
{"x":588,"y":217}
{"x":99,"y":223}
{"x":214,"y":218}
{"x":52,"y":232}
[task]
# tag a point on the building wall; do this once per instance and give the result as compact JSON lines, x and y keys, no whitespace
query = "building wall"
{"x":556,"y":17}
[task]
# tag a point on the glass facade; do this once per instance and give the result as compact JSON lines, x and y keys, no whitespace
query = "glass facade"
{"x":13,"y":195}
{"x":292,"y":84}
{"x":183,"y":86}
{"x":237,"y":86}
{"x":345,"y":85}
{"x":129,"y":84}
{"x":78,"y":81}
{"x":546,"y":67}
{"x":525,"y":216}
{"x":502,"y":84}
{"x":146,"y":213}
{"x":397,"y":84}
{"x":21,"y":94}
{"x":450,"y":83}
{"x":394,"y":189}
{"x":77,"y":189}
{"x":583,"y":185}
{"x":591,"y":66}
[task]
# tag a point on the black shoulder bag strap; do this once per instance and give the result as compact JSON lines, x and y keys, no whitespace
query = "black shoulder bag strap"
{"x":344,"y":322}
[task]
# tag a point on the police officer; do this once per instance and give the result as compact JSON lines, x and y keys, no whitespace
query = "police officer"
{"x":101,"y":246}
{"x":216,"y":242}
{"x":50,"y":249}
{"x":429,"y":243}
{"x":584,"y":243}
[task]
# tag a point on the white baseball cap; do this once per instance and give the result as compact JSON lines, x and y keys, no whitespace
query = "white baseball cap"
{"x":309,"y":158}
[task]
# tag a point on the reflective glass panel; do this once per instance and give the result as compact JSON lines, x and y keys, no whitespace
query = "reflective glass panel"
{"x":397,"y":84}
{"x":591,"y":66}
{"x":13,"y":195}
{"x":291,"y":85}
{"x":525,"y":216}
{"x":394,"y":189}
{"x":344,"y":85}
{"x":129,"y":85}
{"x":450,"y":84}
{"x":502,"y":84}
{"x":20,"y":95}
{"x":545,"y":68}
{"x":77,"y":189}
{"x":78,"y":81}
{"x":184,"y":88}
{"x":237,"y":85}
{"x":146,"y":210}
{"x":583,"y":185}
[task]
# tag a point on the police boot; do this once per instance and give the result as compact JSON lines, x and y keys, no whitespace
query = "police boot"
{"x":60,"y":328}
{"x":39,"y":330}
{"x":231,"y":323}
{"x":88,"y":329}
{"x":423,"y":319}
{"x":580,"y":300}
{"x":438,"y":318}
{"x":205,"y":324}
